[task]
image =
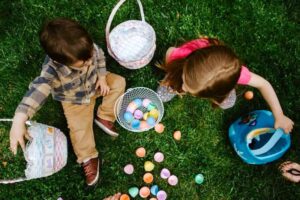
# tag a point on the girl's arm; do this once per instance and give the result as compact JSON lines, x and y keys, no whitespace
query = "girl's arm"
{"x":267,"y":91}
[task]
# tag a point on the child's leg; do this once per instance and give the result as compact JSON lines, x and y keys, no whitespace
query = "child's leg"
{"x":117,"y":85}
{"x":80,"y":123}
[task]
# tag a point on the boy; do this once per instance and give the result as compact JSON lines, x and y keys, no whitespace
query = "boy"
{"x":74,"y":72}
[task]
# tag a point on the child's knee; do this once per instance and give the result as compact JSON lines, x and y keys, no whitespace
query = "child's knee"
{"x":116,"y":81}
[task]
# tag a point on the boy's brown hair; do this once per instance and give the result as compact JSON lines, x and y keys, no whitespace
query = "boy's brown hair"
{"x":66,"y":41}
{"x":210,"y":72}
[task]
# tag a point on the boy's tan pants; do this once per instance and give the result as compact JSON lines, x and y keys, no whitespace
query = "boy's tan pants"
{"x":80,"y":118}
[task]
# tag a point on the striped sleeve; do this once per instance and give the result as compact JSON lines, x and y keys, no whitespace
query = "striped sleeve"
{"x":39,"y":90}
{"x":100,"y":61}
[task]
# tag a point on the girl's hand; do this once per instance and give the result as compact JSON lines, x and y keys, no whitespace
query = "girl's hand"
{"x":102,"y":86}
{"x":114,"y":197}
{"x":285,"y":123}
{"x":17,"y":132}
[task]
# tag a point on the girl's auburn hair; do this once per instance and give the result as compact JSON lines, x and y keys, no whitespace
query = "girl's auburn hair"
{"x":210,"y":72}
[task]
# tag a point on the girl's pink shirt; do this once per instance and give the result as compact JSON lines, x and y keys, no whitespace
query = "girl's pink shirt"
{"x":189,"y":47}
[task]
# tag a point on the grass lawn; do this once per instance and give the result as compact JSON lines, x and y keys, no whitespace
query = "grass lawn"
{"x":265,"y":34}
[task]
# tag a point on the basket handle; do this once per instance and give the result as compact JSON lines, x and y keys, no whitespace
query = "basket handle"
{"x":270,"y":144}
{"x":111,"y":17}
{"x":9,"y":181}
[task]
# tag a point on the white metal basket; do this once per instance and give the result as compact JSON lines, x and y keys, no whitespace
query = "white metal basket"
{"x":46,"y":153}
{"x":131,"y":43}
{"x":132,"y":94}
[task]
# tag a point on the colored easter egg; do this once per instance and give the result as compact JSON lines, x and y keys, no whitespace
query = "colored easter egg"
{"x":148,"y":166}
{"x":248,"y":95}
{"x":135,"y":124}
{"x":159,"y":128}
{"x":151,"y":121}
{"x":151,"y":106}
{"x":131,"y":107}
{"x":177,"y":135}
{"x":146,"y":115}
{"x":128,"y":117}
{"x":199,"y":178}
{"x":165,"y":173}
{"x":128,"y":169}
{"x":154,"y":113}
{"x":154,"y":190}
{"x":144,"y":192}
{"x":124,"y":197}
{"x":138,"y":102}
{"x":161,"y":195}
{"x":148,"y":178}
{"x":140,"y":152}
{"x":144,"y":125}
{"x":146,"y":102}
{"x":133,"y":191}
{"x":153,"y":198}
{"x":138,"y":114}
{"x":159,"y":157}
{"x":173,"y":180}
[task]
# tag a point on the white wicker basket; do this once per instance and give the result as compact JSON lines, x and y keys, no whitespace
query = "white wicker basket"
{"x":45,"y":154}
{"x":132,"y":94}
{"x":131,"y":43}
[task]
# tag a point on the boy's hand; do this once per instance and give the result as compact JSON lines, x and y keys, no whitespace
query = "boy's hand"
{"x":285,"y":123}
{"x":17,"y":132}
{"x":102,"y":86}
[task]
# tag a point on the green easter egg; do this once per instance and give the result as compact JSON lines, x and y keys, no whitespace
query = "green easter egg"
{"x":133,"y":191}
{"x":199,"y":179}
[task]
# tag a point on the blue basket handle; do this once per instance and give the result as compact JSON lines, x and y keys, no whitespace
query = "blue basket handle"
{"x":270,"y":144}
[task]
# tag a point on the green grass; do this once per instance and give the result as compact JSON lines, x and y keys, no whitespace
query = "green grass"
{"x":264,"y":34}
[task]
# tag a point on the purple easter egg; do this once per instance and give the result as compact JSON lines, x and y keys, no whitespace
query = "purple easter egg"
{"x":161,"y":195}
{"x":165,"y":173}
{"x":128,"y":169}
{"x":138,"y":114}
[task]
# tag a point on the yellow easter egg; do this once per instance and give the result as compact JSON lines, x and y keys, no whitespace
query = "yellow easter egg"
{"x":146,"y":115}
{"x":148,"y":166}
{"x":154,"y":113}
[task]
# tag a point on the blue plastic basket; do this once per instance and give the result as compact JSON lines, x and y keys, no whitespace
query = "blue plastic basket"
{"x":255,"y":140}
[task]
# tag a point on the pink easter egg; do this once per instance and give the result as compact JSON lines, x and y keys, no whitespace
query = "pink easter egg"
{"x":144,"y":192}
{"x":128,"y":169}
{"x":146,"y":102}
{"x":138,"y":114}
{"x":144,"y":125}
{"x":173,"y":180}
{"x":165,"y":173}
{"x":159,"y":157}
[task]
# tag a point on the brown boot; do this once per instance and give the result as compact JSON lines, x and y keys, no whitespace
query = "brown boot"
{"x":91,"y":171}
{"x":107,"y":126}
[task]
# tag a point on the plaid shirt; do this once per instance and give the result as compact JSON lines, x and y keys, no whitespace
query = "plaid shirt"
{"x":68,"y":84}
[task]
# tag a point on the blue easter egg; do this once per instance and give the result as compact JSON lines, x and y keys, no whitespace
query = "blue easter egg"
{"x":128,"y":117}
{"x":135,"y":124}
{"x":151,"y":121}
{"x":138,"y":102}
{"x":154,"y":190}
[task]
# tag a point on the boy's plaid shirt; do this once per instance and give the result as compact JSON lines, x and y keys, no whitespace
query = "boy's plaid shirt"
{"x":65,"y":83}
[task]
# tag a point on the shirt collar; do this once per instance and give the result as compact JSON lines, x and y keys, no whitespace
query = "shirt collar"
{"x":63,"y":69}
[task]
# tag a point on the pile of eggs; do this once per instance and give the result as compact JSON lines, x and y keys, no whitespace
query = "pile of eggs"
{"x":141,"y":114}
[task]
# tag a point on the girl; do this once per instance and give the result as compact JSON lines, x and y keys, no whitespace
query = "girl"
{"x":206,"y":68}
